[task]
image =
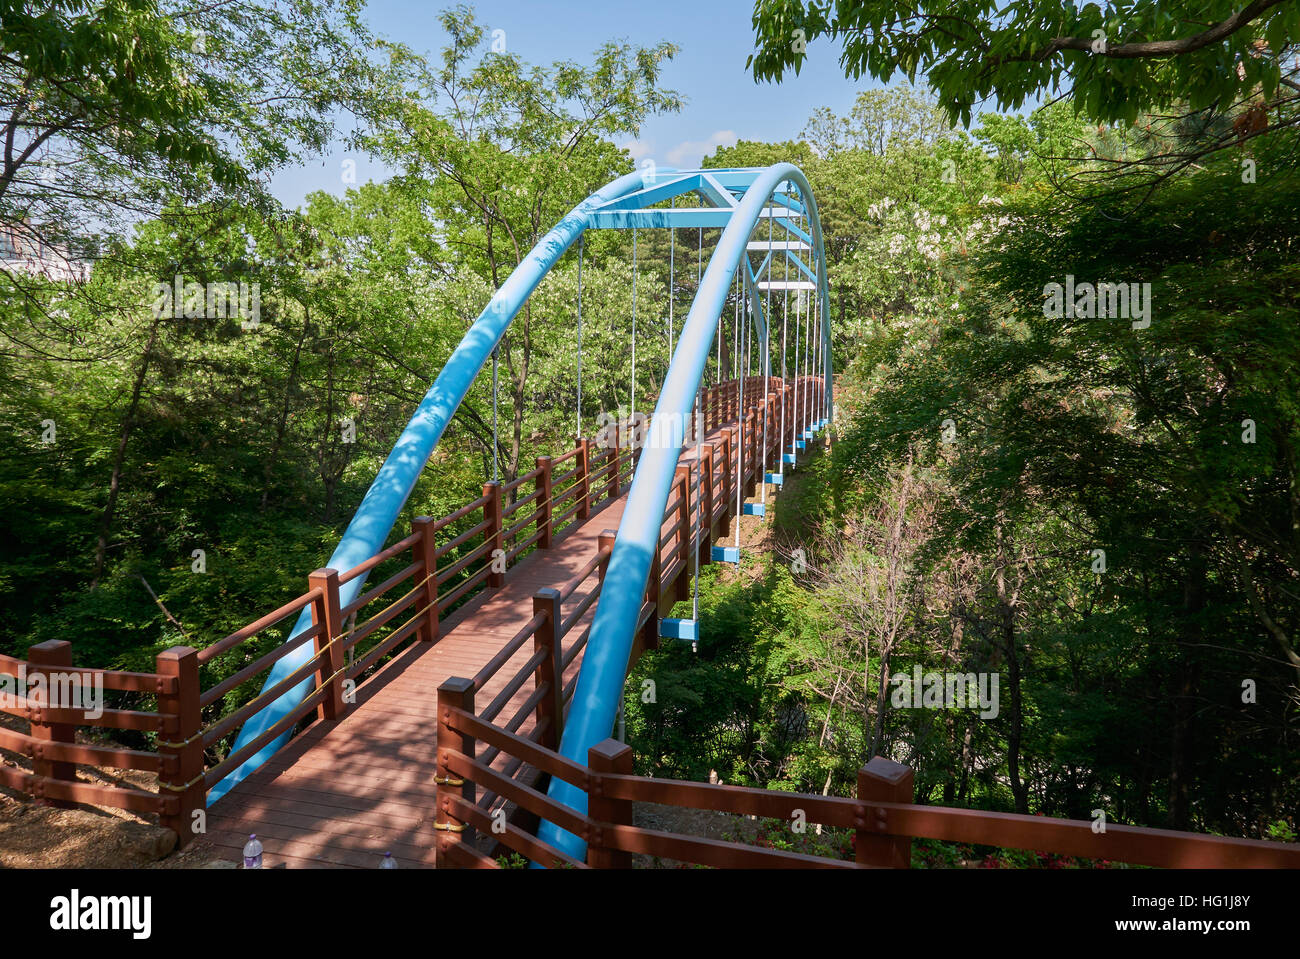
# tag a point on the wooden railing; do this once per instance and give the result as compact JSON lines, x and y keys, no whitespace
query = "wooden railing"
{"x":479,"y":752}
{"x":882,"y":816}
{"x":701,"y":503}
{"x":50,"y":742}
{"x":440,"y":565}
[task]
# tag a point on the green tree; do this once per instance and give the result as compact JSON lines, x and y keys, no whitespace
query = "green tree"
{"x":1133,"y":57}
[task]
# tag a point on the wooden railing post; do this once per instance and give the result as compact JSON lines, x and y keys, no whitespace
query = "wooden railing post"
{"x":43,"y":659}
{"x":550,"y":671}
{"x":325,"y":611}
{"x":683,"y":583}
{"x":426,"y":555}
{"x":454,"y":693}
{"x":745,"y":444}
{"x":616,"y":465}
{"x":882,"y":780}
{"x":493,"y":535}
{"x":584,"y":477}
{"x":544,"y":512}
{"x":728,"y":491}
{"x":181,"y":747}
{"x":788,"y":439}
{"x":741,"y":438}
{"x":609,"y":756}
{"x":706,"y":504}
{"x":773,"y":417}
{"x":650,"y":632}
{"x":606,"y":538}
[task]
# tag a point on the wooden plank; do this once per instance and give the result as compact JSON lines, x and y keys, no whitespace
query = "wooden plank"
{"x":342,"y":793}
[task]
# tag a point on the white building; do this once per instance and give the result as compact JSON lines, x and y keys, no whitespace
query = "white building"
{"x":20,"y":252}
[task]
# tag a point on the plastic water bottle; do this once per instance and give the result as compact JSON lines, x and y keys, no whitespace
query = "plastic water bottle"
{"x":252,"y":853}
{"x":388,"y":862}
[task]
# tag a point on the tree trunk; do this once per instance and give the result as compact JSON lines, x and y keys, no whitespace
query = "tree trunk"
{"x":282,"y":427}
{"x":115,"y":481}
{"x":1185,"y":676}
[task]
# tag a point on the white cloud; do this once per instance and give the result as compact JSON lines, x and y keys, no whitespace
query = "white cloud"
{"x":689,"y":153}
{"x":639,"y":149}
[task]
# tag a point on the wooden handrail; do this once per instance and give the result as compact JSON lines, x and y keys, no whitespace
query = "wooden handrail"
{"x":598,"y":476}
{"x":401,"y":546}
{"x":515,"y":644}
{"x":371,"y":595}
{"x":258,"y":625}
{"x":871,"y":819}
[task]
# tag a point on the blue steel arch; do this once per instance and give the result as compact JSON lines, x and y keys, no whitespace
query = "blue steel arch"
{"x":624,"y":203}
{"x":383,"y":502}
{"x":600,"y":680}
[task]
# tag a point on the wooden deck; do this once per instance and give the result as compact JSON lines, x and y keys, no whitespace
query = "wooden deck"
{"x":343,"y":793}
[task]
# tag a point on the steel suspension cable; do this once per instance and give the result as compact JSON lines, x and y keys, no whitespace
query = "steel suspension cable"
{"x":785,"y":311}
{"x":632,"y":415}
{"x":582,"y":242}
{"x":496,"y":471}
{"x":767,"y":363}
{"x":672,"y":260}
{"x":740,"y":408}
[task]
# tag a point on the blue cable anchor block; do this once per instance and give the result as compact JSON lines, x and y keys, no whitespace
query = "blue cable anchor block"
{"x":726,"y":554}
{"x":787,"y":457}
{"x":800,"y":444}
{"x":755,"y":509}
{"x":807,"y":434}
{"x":680,"y":629}
{"x":776,"y":479}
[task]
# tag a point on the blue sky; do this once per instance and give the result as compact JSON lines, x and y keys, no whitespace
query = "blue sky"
{"x":723,"y":101}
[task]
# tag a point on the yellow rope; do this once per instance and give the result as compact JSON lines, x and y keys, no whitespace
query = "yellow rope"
{"x":181,"y":789}
{"x":548,"y":503}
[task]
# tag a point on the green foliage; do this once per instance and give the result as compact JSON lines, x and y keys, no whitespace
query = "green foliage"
{"x":1121,"y":688}
{"x":1118,"y":62}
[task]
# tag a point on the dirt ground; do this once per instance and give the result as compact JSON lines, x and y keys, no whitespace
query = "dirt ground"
{"x":88,"y":837}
